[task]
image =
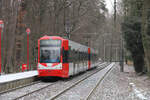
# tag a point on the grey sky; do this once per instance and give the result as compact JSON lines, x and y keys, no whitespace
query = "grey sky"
{"x":109,"y":5}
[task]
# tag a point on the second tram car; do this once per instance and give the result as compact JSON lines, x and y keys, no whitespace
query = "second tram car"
{"x":61,"y":57}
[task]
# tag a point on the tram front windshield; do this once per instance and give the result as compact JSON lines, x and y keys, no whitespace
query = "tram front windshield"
{"x":50,"y":51}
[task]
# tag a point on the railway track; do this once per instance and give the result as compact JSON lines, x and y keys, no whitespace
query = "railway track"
{"x":103,"y":65}
{"x":34,"y":91}
{"x":42,"y":85}
{"x":98,"y":83}
{"x":36,"y":82}
{"x":70,"y":87}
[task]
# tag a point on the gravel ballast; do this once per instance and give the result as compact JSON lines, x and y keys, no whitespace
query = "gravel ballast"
{"x":125,"y":85}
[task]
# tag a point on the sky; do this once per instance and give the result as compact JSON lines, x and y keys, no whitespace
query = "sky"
{"x":109,"y":5}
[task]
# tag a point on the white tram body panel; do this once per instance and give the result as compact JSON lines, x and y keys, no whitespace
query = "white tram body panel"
{"x":73,"y":57}
{"x":76,"y":67}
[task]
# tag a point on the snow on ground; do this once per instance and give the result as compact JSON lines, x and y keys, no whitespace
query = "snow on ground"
{"x":17,"y":76}
{"x":123,"y":86}
{"x":117,"y":85}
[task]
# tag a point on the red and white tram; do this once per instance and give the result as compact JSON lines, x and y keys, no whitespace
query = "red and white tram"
{"x":60,"y":57}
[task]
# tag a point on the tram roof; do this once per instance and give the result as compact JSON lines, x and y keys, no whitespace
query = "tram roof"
{"x":78,"y":46}
{"x":75,"y":45}
{"x":51,"y":37}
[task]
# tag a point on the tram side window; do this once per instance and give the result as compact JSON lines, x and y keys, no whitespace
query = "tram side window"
{"x":82,"y":55}
{"x":71,"y":56}
{"x":65,"y":56}
{"x":79,"y":56}
{"x":87,"y":56}
{"x":76,"y":56}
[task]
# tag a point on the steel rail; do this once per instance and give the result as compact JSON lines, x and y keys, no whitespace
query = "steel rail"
{"x":34,"y":91}
{"x":68,"y":88}
{"x":13,"y":89}
{"x":98,"y":83}
{"x":53,"y":97}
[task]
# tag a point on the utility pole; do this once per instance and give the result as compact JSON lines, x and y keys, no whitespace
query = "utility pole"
{"x":122,"y":55}
{"x":116,"y":54}
{"x":121,"y":43}
{"x":115,"y":11}
{"x":104,"y":49}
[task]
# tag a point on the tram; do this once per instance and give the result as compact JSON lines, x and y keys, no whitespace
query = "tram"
{"x":60,"y":57}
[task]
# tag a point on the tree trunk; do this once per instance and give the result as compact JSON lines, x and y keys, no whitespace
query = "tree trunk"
{"x":146,"y":32}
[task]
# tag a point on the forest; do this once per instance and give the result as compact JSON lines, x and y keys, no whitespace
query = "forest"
{"x":136,"y":33}
{"x":124,"y":33}
{"x":82,"y":20}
